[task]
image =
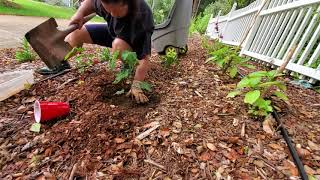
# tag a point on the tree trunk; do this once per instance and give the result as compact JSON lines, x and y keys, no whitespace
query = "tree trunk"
{"x":195,"y":6}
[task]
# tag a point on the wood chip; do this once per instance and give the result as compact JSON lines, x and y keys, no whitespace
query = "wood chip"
{"x":243,"y":129}
{"x":73,"y":171}
{"x":211,"y":146}
{"x":154,"y":163}
{"x":198,"y":94}
{"x":147,"y":132}
{"x":313,"y":146}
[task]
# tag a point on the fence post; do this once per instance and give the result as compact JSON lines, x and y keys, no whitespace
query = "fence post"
{"x":229,"y":16}
{"x":256,"y":23}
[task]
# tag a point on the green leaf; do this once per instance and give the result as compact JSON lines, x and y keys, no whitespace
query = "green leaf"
{"x":129,"y":59}
{"x":252,"y":96}
{"x":112,"y":64}
{"x":254,"y":81}
{"x":244,"y":83}
{"x":263,"y":105}
{"x":35,"y":127}
{"x":120,"y":76}
{"x":233,"y":94}
{"x":145,"y":86}
{"x":258,"y":74}
{"x":27,"y":85}
{"x":210,"y":60}
{"x":268,"y":84}
{"x":279,"y":84}
{"x":105,"y":55}
{"x":233,"y":71}
{"x":220,"y":62}
{"x":248,"y":66}
{"x":281,"y":95}
{"x":272,"y":73}
{"x":249,"y":82}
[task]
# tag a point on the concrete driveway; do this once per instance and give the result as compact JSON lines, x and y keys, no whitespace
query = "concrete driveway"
{"x":13,"y":28}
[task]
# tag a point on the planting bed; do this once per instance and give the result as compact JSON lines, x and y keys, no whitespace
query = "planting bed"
{"x":202,"y":134}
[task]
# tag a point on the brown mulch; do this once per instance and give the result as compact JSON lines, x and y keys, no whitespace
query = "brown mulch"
{"x":200,"y":135}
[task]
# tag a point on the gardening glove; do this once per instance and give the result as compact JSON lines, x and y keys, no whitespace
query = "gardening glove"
{"x":137,"y":92}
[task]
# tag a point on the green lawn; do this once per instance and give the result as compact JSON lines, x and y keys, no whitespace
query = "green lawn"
{"x":35,"y":8}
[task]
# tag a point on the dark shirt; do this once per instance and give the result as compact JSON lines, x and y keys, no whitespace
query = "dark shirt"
{"x":135,"y":30}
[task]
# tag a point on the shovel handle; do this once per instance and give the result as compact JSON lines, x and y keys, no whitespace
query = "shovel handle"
{"x":73,"y":27}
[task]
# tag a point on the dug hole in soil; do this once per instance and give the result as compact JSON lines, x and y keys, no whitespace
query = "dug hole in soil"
{"x":202,"y":134}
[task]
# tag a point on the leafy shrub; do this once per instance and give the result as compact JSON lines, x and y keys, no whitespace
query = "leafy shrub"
{"x":211,"y":45}
{"x":25,"y":54}
{"x":257,"y":87}
{"x":228,"y":59}
{"x":200,"y":24}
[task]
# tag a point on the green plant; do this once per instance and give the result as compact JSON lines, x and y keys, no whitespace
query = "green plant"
{"x":130,"y":61}
{"x":25,"y":54}
{"x":228,"y":59}
{"x":171,"y":58}
{"x":211,"y":45}
{"x":83,"y":61}
{"x":105,"y":55}
{"x":315,"y":64}
{"x":258,"y":87}
{"x":200,"y":24}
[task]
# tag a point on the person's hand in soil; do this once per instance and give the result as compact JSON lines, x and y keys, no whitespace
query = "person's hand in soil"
{"x":137,"y":93}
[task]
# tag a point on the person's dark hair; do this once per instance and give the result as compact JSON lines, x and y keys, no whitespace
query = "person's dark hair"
{"x":132,"y":5}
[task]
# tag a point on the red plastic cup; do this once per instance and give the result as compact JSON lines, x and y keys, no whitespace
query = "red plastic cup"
{"x":46,"y":111}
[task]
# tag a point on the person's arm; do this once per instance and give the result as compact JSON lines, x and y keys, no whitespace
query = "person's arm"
{"x":85,"y":9}
{"x":142,"y":69}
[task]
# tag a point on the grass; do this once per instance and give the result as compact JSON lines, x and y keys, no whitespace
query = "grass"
{"x":35,"y":8}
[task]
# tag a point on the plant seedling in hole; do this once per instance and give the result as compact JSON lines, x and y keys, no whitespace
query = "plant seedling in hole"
{"x":256,"y":87}
{"x":25,"y":54}
{"x":129,"y":60}
{"x":170,"y":59}
{"x":228,"y":59}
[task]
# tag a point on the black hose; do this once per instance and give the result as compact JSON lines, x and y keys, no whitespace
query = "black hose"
{"x":291,"y":148}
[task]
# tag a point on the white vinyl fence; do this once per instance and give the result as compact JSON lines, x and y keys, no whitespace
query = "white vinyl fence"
{"x":267,"y":29}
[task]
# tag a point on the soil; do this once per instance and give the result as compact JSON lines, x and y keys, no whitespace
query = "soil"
{"x":200,"y":136}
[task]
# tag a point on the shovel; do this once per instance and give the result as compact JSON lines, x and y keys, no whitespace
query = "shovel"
{"x":48,"y":41}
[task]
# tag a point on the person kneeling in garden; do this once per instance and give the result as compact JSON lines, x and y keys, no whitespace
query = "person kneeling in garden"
{"x":129,"y":27}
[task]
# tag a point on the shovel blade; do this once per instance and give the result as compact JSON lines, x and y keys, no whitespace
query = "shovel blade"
{"x":48,"y":42}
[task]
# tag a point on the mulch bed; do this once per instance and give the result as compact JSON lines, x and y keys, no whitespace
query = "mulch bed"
{"x":202,"y":134}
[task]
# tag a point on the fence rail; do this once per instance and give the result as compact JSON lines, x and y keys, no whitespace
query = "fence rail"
{"x":267,"y":29}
